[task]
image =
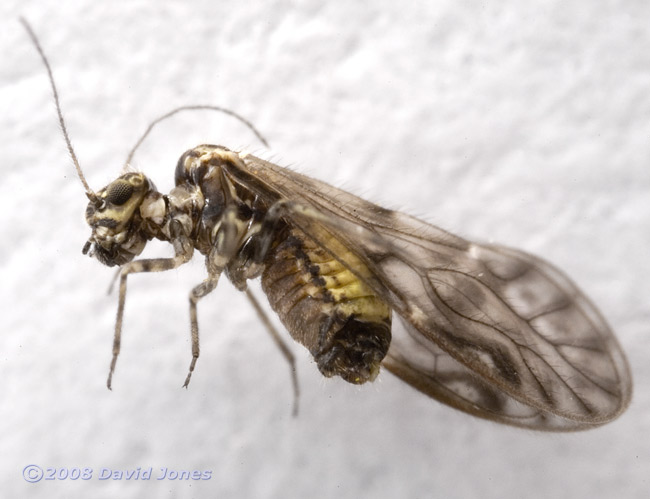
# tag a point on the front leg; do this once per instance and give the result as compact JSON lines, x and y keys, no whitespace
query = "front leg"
{"x":183,"y":249}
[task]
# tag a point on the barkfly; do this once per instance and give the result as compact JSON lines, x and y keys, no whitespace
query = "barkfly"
{"x":489,"y":330}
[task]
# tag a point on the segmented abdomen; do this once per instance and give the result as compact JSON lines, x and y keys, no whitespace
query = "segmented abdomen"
{"x":328,"y":309}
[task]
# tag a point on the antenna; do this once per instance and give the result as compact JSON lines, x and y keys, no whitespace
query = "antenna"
{"x":89,"y":192}
{"x":171,"y":113}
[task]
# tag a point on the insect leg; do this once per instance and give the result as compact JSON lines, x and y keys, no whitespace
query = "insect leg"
{"x":246,"y":264}
{"x":196,"y":294}
{"x":113,"y":280}
{"x":281,"y":345}
{"x":225,"y":247}
{"x":183,"y":249}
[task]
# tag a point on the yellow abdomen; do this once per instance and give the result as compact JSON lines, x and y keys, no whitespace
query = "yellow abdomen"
{"x":327,"y":308}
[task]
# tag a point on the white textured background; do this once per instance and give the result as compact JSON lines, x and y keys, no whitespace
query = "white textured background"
{"x":525,"y":125}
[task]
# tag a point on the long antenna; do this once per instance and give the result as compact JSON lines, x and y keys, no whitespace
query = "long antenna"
{"x":89,"y":192}
{"x":194,"y":108}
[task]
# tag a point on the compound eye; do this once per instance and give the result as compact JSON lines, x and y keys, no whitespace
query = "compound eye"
{"x":119,"y":193}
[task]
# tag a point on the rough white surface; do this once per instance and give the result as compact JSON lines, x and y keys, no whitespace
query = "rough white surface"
{"x":526,"y":123}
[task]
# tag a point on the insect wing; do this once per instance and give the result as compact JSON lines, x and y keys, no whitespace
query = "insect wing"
{"x":487,"y":328}
{"x":425,"y":366}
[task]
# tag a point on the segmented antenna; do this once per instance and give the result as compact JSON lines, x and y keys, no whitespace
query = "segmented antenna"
{"x":89,"y":192}
{"x":171,"y":113}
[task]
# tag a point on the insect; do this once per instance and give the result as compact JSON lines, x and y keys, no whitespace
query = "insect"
{"x":489,"y":330}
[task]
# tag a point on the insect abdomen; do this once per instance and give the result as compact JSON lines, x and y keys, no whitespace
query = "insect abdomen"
{"x":345,"y":326}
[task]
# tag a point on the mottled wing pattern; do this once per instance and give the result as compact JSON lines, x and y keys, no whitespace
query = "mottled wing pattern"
{"x":427,"y":367}
{"x":489,"y":330}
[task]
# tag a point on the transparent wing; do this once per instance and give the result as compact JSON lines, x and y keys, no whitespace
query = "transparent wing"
{"x":489,"y":330}
{"x":427,"y":367}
